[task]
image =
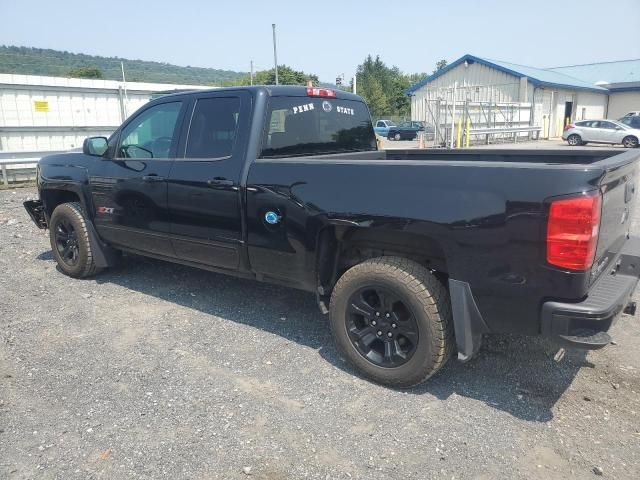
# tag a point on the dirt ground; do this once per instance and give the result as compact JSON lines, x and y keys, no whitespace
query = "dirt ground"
{"x":153,"y":370}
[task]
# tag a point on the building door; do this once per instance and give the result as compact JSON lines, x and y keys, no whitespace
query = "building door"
{"x":568,"y":110}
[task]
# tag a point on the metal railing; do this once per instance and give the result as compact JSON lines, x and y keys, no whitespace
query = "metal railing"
{"x":492,"y":132}
{"x":28,"y":159}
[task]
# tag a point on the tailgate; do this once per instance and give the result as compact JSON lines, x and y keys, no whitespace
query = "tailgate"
{"x":618,"y":187}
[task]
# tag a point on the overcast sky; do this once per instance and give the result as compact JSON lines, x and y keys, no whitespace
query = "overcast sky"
{"x":329,"y":37}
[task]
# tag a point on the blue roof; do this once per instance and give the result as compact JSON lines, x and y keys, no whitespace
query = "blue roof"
{"x":536,"y":76}
{"x":624,"y":71}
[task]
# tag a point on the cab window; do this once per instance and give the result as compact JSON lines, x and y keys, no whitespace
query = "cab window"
{"x":213,"y":128}
{"x":299,"y":126}
{"x":150,"y":134}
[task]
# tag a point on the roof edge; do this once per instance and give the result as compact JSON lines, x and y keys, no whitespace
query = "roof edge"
{"x":489,"y":63}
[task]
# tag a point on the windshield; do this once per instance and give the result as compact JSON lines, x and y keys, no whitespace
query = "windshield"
{"x":316,"y":126}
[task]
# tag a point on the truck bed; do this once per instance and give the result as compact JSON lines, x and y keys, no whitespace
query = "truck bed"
{"x":563,"y":156}
{"x":609,"y":156}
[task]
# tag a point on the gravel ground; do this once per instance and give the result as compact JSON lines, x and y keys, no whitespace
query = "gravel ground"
{"x":154,"y":370}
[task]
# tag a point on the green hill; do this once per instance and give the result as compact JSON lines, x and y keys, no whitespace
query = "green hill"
{"x":40,"y":61}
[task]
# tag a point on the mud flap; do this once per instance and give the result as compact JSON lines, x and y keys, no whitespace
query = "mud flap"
{"x":103,"y":254}
{"x":467,"y":320}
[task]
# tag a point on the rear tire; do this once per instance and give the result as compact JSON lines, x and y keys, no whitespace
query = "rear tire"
{"x":574,"y":140}
{"x":630,"y":142}
{"x":397,"y":137}
{"x":70,"y":242}
{"x":399,"y":338}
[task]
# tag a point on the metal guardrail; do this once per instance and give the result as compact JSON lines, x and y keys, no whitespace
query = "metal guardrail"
{"x":507,"y":130}
{"x":9,"y":158}
{"x":22,"y":161}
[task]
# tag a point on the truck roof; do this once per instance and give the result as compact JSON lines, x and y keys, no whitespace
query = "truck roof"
{"x":271,"y":90}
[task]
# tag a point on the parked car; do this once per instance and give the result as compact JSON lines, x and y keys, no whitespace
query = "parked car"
{"x":410,"y":130}
{"x":632,"y":114}
{"x":405,"y":131}
{"x":412,"y":253}
{"x":632,"y":121}
{"x":382,"y":127}
{"x":601,"y":131}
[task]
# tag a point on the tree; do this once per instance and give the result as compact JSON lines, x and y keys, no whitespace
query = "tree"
{"x":286,"y":76}
{"x":85,"y":72}
{"x":440,"y":64}
{"x":384,"y":87}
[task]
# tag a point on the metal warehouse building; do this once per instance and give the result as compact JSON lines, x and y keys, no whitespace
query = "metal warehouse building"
{"x":488,"y":95}
{"x":39,"y":114}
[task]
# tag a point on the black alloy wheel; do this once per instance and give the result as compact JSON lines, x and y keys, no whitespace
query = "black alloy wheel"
{"x":382,"y":327}
{"x":66,"y":240}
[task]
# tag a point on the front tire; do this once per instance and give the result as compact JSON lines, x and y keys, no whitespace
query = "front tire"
{"x":397,"y":137}
{"x":630,"y":142}
{"x":391,"y":318}
{"x":574,"y":140}
{"x":70,"y":242}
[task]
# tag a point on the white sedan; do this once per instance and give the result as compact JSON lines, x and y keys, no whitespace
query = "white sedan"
{"x":601,"y":131}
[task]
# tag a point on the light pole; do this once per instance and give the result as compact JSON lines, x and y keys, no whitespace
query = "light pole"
{"x":275,"y":51}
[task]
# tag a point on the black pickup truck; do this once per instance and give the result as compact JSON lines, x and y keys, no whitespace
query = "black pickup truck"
{"x":414,"y":253}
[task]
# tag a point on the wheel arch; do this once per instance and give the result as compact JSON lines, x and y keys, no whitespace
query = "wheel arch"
{"x":52,"y":196}
{"x":340,"y":247}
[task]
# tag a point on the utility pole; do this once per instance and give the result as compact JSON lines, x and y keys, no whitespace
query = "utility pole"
{"x":124,"y":85}
{"x":275,"y":51}
{"x":251,"y":72}
{"x":355,"y":78}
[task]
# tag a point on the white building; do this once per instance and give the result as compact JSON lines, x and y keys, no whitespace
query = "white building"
{"x":621,"y":79}
{"x":498,"y":94}
{"x":54,"y":113}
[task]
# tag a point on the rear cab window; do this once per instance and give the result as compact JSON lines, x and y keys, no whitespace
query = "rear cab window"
{"x":299,"y":126}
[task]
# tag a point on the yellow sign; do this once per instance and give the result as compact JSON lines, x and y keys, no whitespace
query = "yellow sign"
{"x":41,"y":105}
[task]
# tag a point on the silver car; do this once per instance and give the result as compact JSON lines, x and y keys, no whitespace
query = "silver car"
{"x":601,"y":131}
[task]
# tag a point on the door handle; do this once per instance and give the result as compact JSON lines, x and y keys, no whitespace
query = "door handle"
{"x":219,"y":181}
{"x":152,"y":178}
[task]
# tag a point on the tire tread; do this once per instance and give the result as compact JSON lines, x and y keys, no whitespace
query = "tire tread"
{"x":429,"y":292}
{"x":74,"y":209}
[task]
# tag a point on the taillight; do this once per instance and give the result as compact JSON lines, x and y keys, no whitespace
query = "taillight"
{"x":321,"y":92}
{"x":570,"y":125}
{"x":572,"y":231}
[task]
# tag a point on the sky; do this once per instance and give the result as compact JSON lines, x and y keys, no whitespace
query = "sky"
{"x":328,"y":37}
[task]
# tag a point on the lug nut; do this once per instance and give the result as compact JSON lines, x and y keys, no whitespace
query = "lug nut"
{"x":379,"y":332}
{"x":377,"y":314}
{"x":393,"y":325}
{"x":374,"y":323}
{"x":387,"y":315}
{"x":389,"y":334}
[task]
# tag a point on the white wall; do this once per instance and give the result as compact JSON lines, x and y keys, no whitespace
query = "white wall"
{"x":505,"y":87}
{"x":75,"y":108}
{"x":550,"y":103}
{"x":622,"y":103}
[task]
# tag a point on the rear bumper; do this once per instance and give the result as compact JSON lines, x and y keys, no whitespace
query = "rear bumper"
{"x":35,"y":209}
{"x":585,"y":324}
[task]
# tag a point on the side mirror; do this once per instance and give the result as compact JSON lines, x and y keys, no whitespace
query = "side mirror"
{"x":95,"y":146}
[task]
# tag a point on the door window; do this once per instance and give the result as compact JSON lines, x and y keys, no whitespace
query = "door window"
{"x":607,"y":125}
{"x":150,"y":134}
{"x":214,"y":127}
